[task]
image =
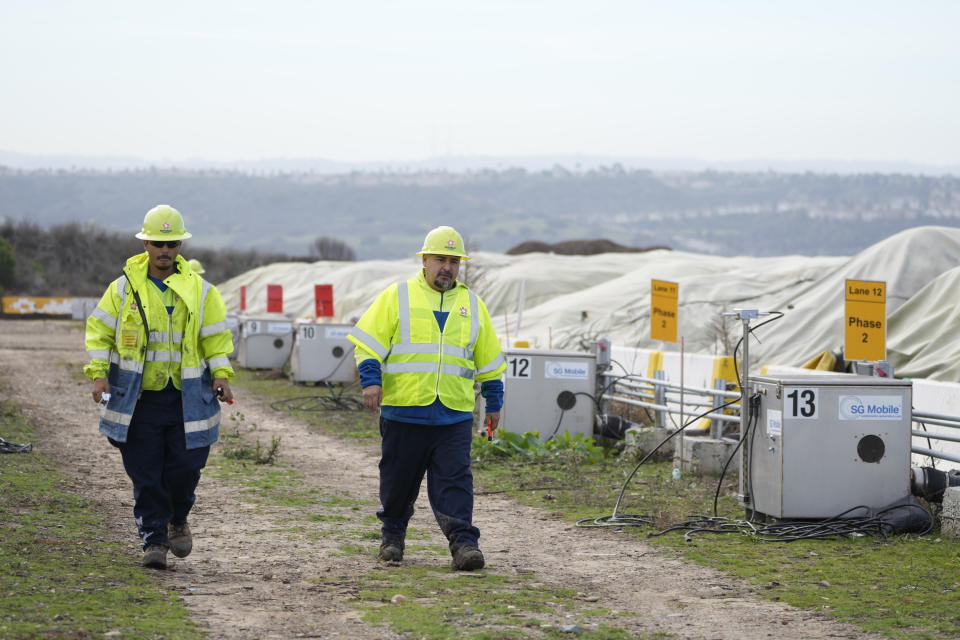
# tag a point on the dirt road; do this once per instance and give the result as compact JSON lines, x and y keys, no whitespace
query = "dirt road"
{"x":248,"y":577}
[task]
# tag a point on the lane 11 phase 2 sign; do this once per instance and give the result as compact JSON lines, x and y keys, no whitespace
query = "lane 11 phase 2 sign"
{"x":664,"y":297}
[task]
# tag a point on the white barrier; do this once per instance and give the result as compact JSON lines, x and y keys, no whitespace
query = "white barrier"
{"x":631,"y":360}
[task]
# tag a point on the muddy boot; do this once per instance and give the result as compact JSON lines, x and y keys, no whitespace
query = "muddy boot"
{"x":155,"y":557}
{"x":467,"y":558}
{"x":391,"y":550}
{"x":181,"y":542}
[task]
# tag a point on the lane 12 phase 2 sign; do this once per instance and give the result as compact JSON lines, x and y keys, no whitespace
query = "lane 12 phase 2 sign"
{"x":664,"y":301}
{"x":865,"y":320}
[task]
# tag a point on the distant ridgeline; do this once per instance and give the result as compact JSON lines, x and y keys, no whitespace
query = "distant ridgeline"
{"x":576,"y":248}
{"x":385,"y":215}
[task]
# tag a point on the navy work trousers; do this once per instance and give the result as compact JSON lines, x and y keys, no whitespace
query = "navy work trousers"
{"x":408,"y":451}
{"x":163,"y":471}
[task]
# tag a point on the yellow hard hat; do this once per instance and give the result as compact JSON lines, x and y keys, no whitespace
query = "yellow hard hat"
{"x":197,"y":266}
{"x":444,"y":241}
{"x":163,"y":222}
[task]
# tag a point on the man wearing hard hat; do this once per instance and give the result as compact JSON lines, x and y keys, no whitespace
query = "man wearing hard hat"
{"x":158,"y":344}
{"x":420,"y":347}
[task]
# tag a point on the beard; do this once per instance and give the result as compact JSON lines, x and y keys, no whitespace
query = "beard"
{"x":444,"y":282}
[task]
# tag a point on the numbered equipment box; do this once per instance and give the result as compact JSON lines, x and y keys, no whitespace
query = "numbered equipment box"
{"x":322,"y":353}
{"x":265,"y":342}
{"x":549,"y":391}
{"x":233,"y":323}
{"x":825,"y":444}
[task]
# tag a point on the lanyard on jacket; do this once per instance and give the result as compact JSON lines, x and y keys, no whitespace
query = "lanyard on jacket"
{"x":143,"y":316}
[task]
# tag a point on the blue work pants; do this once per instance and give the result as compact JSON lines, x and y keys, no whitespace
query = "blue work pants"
{"x":408,"y":451}
{"x":164,"y":472}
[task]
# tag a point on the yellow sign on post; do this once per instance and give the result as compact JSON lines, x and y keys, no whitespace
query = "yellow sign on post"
{"x":664,"y":297}
{"x":865,"y":322}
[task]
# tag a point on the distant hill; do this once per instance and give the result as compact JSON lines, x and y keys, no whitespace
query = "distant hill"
{"x":576,"y":248}
{"x":385,"y":215}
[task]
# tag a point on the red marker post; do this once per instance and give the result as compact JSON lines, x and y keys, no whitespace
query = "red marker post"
{"x":489,"y":429}
{"x":323,"y":300}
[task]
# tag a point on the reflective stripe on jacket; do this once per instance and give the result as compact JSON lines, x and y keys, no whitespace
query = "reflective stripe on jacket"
{"x":419,"y":362}
{"x":190,"y":347}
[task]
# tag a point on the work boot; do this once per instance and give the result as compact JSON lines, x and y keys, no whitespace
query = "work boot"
{"x":181,"y":542}
{"x":391,"y":550}
{"x":155,"y":557}
{"x":467,"y":558}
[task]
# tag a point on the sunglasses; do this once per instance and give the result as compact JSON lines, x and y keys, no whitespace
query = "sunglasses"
{"x":173,"y":244}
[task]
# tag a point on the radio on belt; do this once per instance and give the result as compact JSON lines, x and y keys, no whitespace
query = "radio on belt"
{"x":824,"y":444}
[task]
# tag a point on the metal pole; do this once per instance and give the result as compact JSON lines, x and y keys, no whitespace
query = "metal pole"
{"x":745,"y":413}
{"x":659,"y":397}
{"x":520,"y":302}
{"x":682,"y":424}
{"x":716,"y":428}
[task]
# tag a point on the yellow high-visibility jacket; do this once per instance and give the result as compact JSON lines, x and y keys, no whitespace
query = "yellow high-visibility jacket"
{"x":419,"y":363}
{"x":189,"y":347}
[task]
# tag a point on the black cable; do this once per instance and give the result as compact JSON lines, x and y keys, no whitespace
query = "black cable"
{"x":754,"y":416}
{"x":12,"y":447}
{"x":790,"y":531}
{"x":612,"y":361}
{"x":614,"y":520}
{"x":741,"y":384}
{"x":318,"y":403}
{"x":557,"y":428}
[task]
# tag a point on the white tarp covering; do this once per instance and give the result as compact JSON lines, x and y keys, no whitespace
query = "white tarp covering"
{"x":923,"y":339}
{"x":573,"y":299}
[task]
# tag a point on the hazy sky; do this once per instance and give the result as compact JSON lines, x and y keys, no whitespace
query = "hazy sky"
{"x":391,"y":81}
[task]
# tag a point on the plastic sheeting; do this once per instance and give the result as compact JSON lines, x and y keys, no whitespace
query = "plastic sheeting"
{"x":922,"y":335}
{"x":571,"y":300}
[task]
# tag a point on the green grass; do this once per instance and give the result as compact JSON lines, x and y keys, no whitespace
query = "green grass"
{"x":62,"y":574}
{"x":425,"y":601}
{"x":278,"y":484}
{"x":903,"y":587}
{"x":361,"y":426}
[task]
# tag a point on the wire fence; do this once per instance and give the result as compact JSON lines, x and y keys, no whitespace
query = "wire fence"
{"x":662,"y":398}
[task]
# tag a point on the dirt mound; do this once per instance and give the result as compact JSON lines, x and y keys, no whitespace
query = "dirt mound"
{"x":577,"y":247}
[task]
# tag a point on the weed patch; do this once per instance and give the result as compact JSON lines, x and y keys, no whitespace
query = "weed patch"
{"x":61,"y":575}
{"x":903,"y":587}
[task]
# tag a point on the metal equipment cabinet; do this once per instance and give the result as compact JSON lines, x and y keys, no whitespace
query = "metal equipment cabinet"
{"x":825,"y":444}
{"x":322,"y":353}
{"x":265,"y":342}
{"x":541,"y":385}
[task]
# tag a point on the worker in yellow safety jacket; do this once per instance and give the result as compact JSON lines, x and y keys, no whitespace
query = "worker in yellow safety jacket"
{"x":421,"y":346}
{"x":158,"y":343}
